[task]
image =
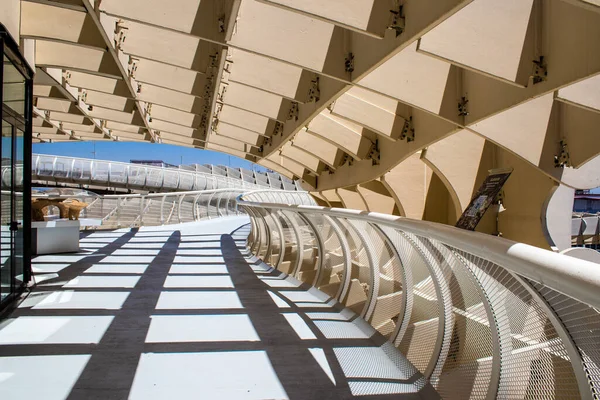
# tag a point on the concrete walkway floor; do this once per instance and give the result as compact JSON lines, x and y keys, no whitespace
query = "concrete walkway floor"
{"x":182,"y":312}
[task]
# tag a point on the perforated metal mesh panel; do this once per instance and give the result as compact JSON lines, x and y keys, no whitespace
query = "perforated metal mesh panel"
{"x":467,"y":368}
{"x":473,"y":328}
{"x":290,"y":253}
{"x":533,"y":360}
{"x":262,"y":233}
{"x":418,"y":341}
{"x":582,"y":322}
{"x":359,"y":290}
{"x":272,"y":220}
{"x":202,"y":205}
{"x":333,"y":267}
{"x":388,"y":276}
{"x":311,"y":253}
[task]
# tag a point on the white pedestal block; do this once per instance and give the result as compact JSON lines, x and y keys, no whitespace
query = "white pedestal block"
{"x":59,"y":236}
{"x":90,"y":221}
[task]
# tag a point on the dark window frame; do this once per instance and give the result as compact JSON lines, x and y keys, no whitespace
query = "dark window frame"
{"x":10,"y":49}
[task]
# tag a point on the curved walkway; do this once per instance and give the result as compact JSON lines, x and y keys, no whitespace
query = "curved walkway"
{"x":183,"y":311}
{"x":85,"y":171}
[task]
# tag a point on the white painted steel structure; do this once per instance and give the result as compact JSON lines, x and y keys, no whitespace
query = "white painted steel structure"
{"x":393,"y":106}
{"x":133,"y":210}
{"x":479,"y":316}
{"x":139,"y":176}
{"x":585,"y":229}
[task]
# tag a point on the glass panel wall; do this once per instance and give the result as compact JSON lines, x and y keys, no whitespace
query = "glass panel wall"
{"x":6,"y":273}
{"x":15,"y":149}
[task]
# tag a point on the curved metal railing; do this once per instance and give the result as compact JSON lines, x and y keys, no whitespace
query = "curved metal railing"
{"x":134,"y":210}
{"x":479,"y":316}
{"x":146,"y":177}
{"x":585,"y":230}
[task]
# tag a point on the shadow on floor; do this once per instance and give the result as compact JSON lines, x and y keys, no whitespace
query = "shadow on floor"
{"x":153,"y":315}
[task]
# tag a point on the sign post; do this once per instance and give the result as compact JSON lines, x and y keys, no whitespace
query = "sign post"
{"x":484,"y":197}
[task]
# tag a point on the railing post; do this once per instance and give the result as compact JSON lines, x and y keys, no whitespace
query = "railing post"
{"x":170,"y":212}
{"x":142,"y":210}
{"x":195,"y":208}
{"x":255,"y":231}
{"x":162,"y":210}
{"x":373,"y":266}
{"x":269,"y":234}
{"x":268,"y":239}
{"x":320,"y":246}
{"x":219,"y":198}
{"x":92,"y":166}
{"x":181,"y":197}
{"x":343,"y":290}
{"x":217,"y":203}
{"x":70,"y":174}
{"x":118,"y":212}
{"x":37,"y":165}
{"x":225,"y":198}
{"x":446,"y":315}
{"x":208,"y":204}
{"x":277,"y":223}
{"x":393,"y":237}
{"x":227,"y":210}
{"x":54,"y":165}
{"x":299,"y":243}
{"x":497,"y":312}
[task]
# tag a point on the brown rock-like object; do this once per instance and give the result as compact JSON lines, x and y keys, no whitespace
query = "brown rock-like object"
{"x":75,"y":207}
{"x":69,"y":209}
{"x":38,"y":209}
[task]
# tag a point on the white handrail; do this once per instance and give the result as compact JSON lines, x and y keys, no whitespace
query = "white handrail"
{"x":475,"y":313}
{"x":115,"y":178}
{"x":571,"y":276}
{"x":125,"y":216}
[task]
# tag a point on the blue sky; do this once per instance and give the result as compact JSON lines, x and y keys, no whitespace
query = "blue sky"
{"x":126,"y":151}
